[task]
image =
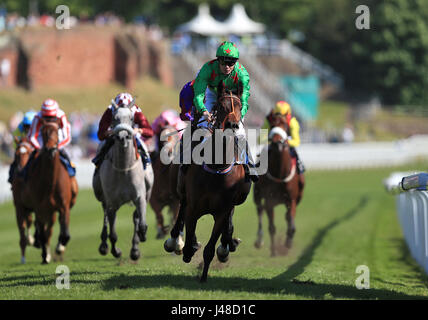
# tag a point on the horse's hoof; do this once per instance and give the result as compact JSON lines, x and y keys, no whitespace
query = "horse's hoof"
{"x":179,"y":244}
{"x":222,"y":253}
{"x":258,"y":244}
{"x":142,"y":230}
{"x":162,"y":232}
{"x":234,"y":244}
{"x":116,"y":253}
{"x":135,"y":255}
{"x":289,"y":243}
{"x":103,"y":249}
{"x":196,"y":246}
{"x":46,"y":260}
{"x":23,"y":260}
{"x":160,"y":235}
{"x":169,"y":245}
{"x":30,"y":240}
{"x":223,"y":259}
{"x":60,"y":249}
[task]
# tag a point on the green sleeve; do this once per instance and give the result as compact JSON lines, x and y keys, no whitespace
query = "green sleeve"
{"x":245,"y":79}
{"x":199,"y":87}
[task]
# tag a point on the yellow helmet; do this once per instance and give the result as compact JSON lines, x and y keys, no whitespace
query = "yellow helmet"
{"x":282,"y":107}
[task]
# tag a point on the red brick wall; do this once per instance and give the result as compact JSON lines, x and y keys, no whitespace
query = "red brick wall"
{"x":10,"y":53}
{"x":69,"y":57}
{"x":86,"y":56}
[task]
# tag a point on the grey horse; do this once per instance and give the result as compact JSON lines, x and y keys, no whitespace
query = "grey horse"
{"x":121,"y":179}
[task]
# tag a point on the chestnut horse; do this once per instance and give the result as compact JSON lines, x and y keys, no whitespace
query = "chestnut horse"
{"x":51,"y":190}
{"x":23,"y":208}
{"x":213,"y":188}
{"x":280,"y":185}
{"x":165,"y":180}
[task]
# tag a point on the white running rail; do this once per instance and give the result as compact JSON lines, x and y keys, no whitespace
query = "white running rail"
{"x":412,"y":211}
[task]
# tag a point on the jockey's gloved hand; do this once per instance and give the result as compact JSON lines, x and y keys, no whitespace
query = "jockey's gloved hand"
{"x":207,"y":116}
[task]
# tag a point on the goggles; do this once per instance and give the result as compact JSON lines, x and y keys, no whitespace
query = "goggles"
{"x":227,"y":62}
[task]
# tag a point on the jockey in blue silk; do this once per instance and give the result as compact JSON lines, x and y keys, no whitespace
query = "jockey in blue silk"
{"x":21,"y":132}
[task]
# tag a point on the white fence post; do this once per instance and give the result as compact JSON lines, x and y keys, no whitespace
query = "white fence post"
{"x":412,"y":211}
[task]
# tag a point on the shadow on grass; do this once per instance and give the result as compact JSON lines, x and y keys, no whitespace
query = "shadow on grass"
{"x":285,"y":283}
{"x":49,"y":279}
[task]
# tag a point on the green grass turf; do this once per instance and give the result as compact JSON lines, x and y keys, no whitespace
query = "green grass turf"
{"x":346,"y":219}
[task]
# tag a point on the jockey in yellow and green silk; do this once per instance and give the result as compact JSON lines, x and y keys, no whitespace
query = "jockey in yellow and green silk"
{"x":282,"y":112}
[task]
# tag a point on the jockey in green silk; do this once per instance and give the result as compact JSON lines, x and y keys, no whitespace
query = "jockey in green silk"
{"x":226,"y":69}
{"x":212,"y":74}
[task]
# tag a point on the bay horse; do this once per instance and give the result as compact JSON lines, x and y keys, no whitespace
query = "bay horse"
{"x":121,"y":179}
{"x":280,"y":185}
{"x":51,"y":190}
{"x":23,"y":207}
{"x":213,"y":189}
{"x":165,"y":180}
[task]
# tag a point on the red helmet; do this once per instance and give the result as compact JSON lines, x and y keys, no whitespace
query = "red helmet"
{"x":49,"y":108}
{"x":123,"y":99}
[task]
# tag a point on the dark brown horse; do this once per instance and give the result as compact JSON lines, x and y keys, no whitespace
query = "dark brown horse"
{"x":165,"y":181}
{"x":23,"y":208}
{"x":213,"y":188}
{"x":51,"y":190}
{"x":280,"y":185}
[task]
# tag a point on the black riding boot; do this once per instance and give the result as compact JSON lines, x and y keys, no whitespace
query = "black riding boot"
{"x":11,"y":171}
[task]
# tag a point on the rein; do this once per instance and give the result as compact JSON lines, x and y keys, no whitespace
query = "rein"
{"x":220,"y":171}
{"x":232,"y":98}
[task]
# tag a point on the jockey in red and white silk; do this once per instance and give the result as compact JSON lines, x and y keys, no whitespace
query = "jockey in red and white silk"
{"x":140,"y":121}
{"x":141,"y":127}
{"x":50,"y":108}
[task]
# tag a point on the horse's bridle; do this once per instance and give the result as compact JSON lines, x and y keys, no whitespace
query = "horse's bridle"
{"x":55,"y":148}
{"x":284,"y":143}
{"x":232,"y":112}
{"x":27,"y":146}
